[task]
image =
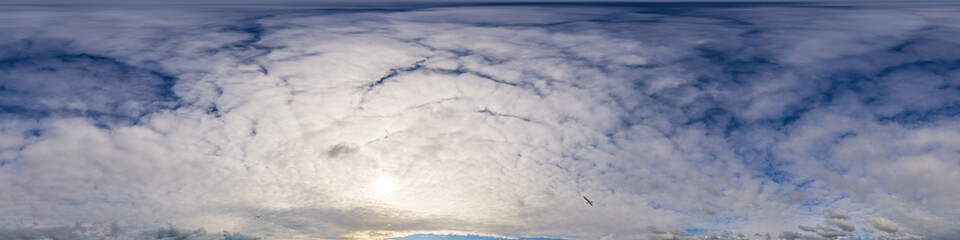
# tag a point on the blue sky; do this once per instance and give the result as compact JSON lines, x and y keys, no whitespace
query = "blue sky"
{"x":780,"y":120}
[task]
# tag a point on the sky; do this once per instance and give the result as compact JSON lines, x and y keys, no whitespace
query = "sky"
{"x":817,"y":120}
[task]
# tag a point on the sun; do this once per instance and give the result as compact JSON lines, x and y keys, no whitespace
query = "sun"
{"x":384,"y":185}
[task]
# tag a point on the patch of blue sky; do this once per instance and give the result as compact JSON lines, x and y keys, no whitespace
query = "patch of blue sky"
{"x":698,"y":231}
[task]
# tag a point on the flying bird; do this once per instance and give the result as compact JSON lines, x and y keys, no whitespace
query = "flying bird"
{"x":588,"y":200}
{"x":258,"y":216}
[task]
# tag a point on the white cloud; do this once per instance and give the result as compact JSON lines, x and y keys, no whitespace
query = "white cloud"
{"x":490,"y":120}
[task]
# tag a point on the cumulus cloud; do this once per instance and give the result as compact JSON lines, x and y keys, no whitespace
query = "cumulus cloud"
{"x":883,"y":224}
{"x":842,"y":224}
{"x":838,"y":214}
{"x":838,"y":219}
{"x":831,"y":233}
{"x":678,"y":120}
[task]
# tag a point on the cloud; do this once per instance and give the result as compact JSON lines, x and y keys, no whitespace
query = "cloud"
{"x":114,"y":231}
{"x":831,"y":233}
{"x":710,"y":211}
{"x":50,"y":80}
{"x":838,"y":214}
{"x":60,"y":232}
{"x":172,"y":232}
{"x":842,"y":224}
{"x":680,"y":121}
{"x":789,"y":235}
{"x":836,"y":218}
{"x":883,"y":224}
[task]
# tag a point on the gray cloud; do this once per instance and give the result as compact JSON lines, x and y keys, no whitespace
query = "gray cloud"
{"x":114,"y":231}
{"x":60,"y":232}
{"x":790,"y":235}
{"x":883,"y":224}
{"x":831,"y":233}
{"x":340,"y":149}
{"x":833,"y":213}
{"x":842,"y":224}
{"x":172,"y":233}
{"x":710,"y":211}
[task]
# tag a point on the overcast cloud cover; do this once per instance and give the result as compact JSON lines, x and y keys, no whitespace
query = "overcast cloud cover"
{"x":680,"y":121}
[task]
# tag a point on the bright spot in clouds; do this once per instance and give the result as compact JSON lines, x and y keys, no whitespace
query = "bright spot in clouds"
{"x":384,"y":185}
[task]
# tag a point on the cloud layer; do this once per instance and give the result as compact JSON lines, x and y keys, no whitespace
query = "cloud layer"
{"x":680,"y":121}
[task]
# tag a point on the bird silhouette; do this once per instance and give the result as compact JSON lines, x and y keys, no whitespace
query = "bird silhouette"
{"x":588,"y":200}
{"x":258,"y":216}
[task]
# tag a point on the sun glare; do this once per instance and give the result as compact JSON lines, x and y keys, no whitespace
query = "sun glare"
{"x":384,"y":185}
